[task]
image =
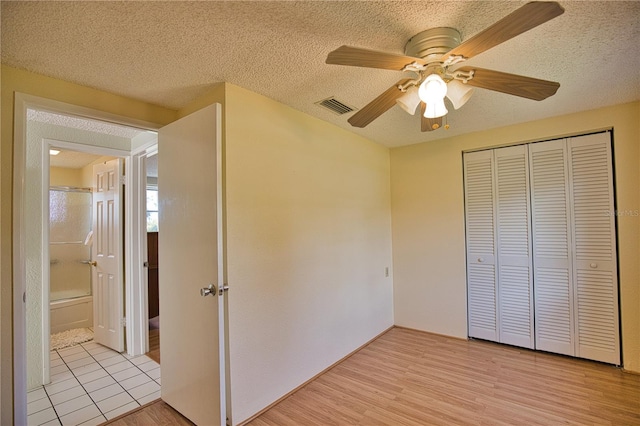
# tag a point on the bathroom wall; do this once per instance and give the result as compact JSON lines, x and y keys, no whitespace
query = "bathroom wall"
{"x":64,"y":176}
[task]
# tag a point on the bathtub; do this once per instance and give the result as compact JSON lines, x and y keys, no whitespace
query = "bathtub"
{"x":68,"y":314}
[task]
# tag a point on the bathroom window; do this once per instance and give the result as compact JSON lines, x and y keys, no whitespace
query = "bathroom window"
{"x":152,"y":209}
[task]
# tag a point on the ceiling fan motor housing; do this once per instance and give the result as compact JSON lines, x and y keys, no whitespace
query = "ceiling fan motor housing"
{"x":431,"y":44}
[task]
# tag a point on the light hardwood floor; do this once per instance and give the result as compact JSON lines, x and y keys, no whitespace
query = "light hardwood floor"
{"x":408,"y":377}
{"x":154,"y":345}
{"x":155,"y":413}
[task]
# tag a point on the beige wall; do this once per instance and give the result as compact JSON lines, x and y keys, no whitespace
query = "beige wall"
{"x":428,"y":220}
{"x":64,"y":176}
{"x":308,"y":238}
{"x":14,"y":80}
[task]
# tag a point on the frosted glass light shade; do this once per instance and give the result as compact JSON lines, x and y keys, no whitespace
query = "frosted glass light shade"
{"x":435,"y":109}
{"x":432,"y":92}
{"x":432,"y":89}
{"x":458,"y":93}
{"x":409,"y":100}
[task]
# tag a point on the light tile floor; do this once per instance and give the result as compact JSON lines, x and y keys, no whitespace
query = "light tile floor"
{"x":91,"y":384}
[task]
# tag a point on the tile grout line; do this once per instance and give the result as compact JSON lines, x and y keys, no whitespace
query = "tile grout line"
{"x":46,"y":395}
{"x":118,"y":382}
{"x":83,"y":388}
{"x":49,"y":397}
{"x":109,"y":375}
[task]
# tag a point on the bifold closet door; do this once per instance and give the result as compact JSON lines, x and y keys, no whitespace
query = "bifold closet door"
{"x":574,"y":250}
{"x":481,"y":248}
{"x":515,"y":280}
{"x":499,"y":279}
{"x":595,"y":259}
{"x":550,"y":209}
{"x":540,"y":222}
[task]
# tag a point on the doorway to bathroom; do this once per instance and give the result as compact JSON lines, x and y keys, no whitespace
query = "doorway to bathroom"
{"x":69,"y":286}
{"x":41,"y":125}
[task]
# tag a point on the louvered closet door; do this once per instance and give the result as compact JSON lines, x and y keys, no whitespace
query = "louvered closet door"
{"x":480,"y":227}
{"x":551,"y":247}
{"x":515,"y":281}
{"x":595,"y":269}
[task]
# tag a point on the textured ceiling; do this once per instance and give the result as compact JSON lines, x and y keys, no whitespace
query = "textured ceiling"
{"x":72,"y":159}
{"x":83,"y":124}
{"x":168,"y":53}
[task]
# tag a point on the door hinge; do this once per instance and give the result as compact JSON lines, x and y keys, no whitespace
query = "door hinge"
{"x":123,"y":322}
{"x":122,"y":180}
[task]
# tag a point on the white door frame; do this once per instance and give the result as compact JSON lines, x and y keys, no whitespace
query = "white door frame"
{"x":136,"y":308}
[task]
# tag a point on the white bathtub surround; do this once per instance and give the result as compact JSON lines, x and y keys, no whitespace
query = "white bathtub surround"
{"x":68,"y":314}
{"x":70,"y":338}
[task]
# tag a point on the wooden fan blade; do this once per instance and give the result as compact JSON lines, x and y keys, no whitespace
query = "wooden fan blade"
{"x":357,"y":57}
{"x":378,"y":106}
{"x":527,"y":17}
{"x":512,"y":84}
{"x":428,"y":124}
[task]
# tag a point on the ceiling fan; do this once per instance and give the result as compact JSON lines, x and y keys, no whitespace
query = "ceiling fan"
{"x":434,"y":56}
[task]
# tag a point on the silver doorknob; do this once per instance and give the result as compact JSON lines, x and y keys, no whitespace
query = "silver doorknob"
{"x":206,"y":291}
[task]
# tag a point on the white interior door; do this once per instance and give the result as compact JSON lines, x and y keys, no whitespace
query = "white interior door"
{"x":190,"y":252}
{"x":108,"y":291}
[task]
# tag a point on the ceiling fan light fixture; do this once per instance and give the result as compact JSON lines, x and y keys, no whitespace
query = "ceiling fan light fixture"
{"x":410,"y":100}
{"x":432,"y":92}
{"x":458,"y":93}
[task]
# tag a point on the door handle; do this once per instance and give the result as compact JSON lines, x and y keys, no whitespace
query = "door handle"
{"x":89,"y":262}
{"x":211,"y":290}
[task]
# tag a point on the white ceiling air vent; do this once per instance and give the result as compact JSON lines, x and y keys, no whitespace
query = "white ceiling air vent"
{"x":335,"y":106}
